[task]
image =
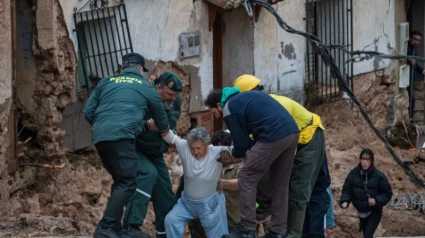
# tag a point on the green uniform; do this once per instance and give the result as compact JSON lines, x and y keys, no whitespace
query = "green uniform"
{"x":152,"y":178}
{"x":116,"y":115}
{"x":116,"y":109}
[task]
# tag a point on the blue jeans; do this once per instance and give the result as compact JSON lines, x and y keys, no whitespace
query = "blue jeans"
{"x":211,"y":211}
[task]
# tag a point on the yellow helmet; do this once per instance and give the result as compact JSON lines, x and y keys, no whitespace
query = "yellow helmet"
{"x":246,"y":82}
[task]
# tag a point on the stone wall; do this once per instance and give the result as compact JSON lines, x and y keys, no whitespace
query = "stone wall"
{"x":45,"y":82}
{"x":5,"y":94}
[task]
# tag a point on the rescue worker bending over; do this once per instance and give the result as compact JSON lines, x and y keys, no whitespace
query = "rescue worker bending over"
{"x":275,"y":136}
{"x":116,"y":109}
{"x":152,"y":178}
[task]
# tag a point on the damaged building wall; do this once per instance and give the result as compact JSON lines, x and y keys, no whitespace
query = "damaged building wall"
{"x":276,"y":57}
{"x":45,"y":72}
{"x":373,"y":30}
{"x":279,"y":56}
{"x":155,"y":27}
{"x":5,"y":94}
{"x":155,"y":34}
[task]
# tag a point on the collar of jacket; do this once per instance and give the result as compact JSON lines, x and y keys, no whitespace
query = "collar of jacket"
{"x":368,"y":171}
{"x":227,"y":93}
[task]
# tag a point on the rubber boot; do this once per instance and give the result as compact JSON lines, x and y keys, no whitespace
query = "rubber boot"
{"x":295,"y":222}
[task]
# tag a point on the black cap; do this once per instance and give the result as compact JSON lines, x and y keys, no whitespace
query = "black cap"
{"x":134,"y":58}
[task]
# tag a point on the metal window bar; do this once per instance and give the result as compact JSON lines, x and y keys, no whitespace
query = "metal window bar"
{"x":332,"y":22}
{"x":103,"y":38}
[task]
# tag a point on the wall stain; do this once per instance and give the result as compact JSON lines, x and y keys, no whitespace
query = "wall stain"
{"x":288,"y":51}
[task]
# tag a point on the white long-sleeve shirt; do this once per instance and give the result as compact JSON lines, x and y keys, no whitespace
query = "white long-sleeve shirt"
{"x":200,"y":175}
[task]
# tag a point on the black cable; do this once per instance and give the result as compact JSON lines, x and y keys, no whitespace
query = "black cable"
{"x":327,"y":58}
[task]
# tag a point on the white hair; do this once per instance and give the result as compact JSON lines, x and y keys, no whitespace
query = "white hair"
{"x":197,"y":134}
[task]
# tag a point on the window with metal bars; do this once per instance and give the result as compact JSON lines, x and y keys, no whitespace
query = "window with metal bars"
{"x":103,"y":39}
{"x":332,"y":22}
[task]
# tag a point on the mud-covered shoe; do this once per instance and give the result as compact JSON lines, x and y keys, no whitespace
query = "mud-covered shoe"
{"x":240,"y":232}
{"x":105,"y":233}
{"x":134,"y":232}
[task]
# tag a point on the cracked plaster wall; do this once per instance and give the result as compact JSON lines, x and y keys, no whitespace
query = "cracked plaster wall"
{"x":5,"y":94}
{"x":279,"y":56}
{"x":374,"y":30}
{"x":155,"y":27}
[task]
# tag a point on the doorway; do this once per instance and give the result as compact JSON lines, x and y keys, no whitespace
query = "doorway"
{"x":233,"y":49}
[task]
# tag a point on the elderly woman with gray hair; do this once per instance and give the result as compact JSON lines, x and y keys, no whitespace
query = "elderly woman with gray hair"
{"x":199,"y":200}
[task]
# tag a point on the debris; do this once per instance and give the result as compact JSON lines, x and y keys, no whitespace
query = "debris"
{"x":43,"y":165}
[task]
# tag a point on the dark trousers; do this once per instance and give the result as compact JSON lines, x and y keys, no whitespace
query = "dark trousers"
{"x":369,"y":224}
{"x":315,"y":215}
{"x":153,"y":184}
{"x":119,"y":159}
{"x":307,"y":165}
{"x":279,"y":157}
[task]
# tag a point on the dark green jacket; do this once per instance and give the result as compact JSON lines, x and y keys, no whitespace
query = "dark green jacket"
{"x":117,"y":106}
{"x":151,"y":143}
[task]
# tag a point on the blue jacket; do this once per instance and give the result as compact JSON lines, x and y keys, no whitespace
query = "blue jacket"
{"x":255,"y":113}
